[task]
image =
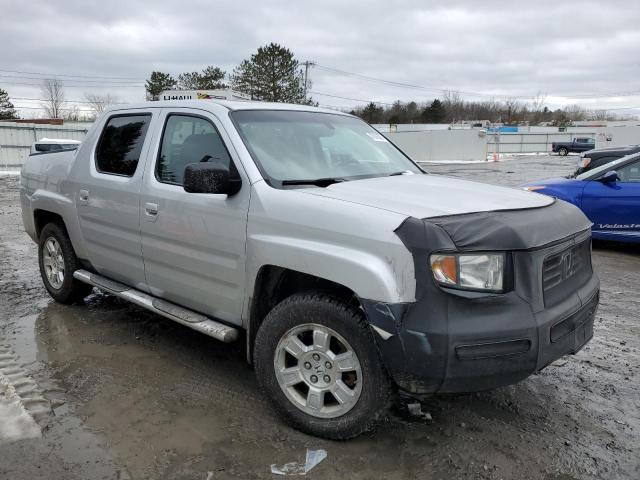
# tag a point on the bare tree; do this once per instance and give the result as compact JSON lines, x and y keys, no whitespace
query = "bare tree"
{"x":575,"y":113}
{"x":72,"y":114}
{"x":537,"y":108}
{"x":513,"y":108}
{"x":53,"y":95}
{"x":98,"y":103}
{"x":454,"y":106}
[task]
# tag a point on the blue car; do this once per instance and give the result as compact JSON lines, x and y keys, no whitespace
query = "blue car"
{"x":609,"y":195}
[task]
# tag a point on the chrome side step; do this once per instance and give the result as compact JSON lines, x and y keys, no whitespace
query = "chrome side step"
{"x":169,"y":310}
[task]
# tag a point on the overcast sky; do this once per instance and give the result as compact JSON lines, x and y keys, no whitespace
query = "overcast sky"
{"x":572,"y":51}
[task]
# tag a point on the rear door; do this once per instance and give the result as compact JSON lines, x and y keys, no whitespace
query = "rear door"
{"x":614,"y":208}
{"x":109,"y":196}
{"x":194,"y":244}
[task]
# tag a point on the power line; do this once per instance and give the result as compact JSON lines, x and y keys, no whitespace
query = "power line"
{"x":471,"y":94}
{"x":69,"y":101}
{"x":71,"y":75}
{"x":105,"y":82}
{"x":401,"y":84}
{"x":349,"y":98}
{"x":66,"y":85}
{"x":61,"y":109}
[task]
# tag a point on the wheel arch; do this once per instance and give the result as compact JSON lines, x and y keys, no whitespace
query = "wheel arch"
{"x":275,"y":283}
{"x":42,"y":217}
{"x":51,"y":206}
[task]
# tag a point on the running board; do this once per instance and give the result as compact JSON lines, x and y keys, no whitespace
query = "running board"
{"x":169,"y":310}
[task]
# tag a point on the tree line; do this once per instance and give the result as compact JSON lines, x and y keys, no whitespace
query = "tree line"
{"x":452,"y":108}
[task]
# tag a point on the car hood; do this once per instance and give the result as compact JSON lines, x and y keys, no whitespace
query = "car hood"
{"x":561,"y":182}
{"x":428,"y":195}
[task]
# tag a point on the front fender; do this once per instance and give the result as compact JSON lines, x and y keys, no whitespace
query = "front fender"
{"x":386,"y":279}
{"x":347,"y":243}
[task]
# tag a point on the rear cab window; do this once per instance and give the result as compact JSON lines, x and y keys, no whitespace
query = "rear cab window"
{"x":120,"y":145}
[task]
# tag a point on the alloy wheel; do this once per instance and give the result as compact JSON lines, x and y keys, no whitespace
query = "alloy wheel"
{"x":53,"y":262}
{"x":318,"y":371}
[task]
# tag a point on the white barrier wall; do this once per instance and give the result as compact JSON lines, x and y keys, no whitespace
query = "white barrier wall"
{"x":441,"y":145}
{"x":607,"y":137}
{"x":16,"y":139}
{"x":530,"y":142}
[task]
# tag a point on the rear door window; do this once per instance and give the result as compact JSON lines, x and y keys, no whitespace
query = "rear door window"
{"x":120,"y":144}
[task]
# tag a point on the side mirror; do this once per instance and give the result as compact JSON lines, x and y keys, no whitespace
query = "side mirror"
{"x":610,"y":177}
{"x":210,"y":178}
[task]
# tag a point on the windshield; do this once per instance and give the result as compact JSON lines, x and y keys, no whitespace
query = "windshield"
{"x":602,"y":169}
{"x":293,"y":146}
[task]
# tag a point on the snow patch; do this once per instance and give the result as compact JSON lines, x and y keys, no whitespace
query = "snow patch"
{"x":15,"y":422}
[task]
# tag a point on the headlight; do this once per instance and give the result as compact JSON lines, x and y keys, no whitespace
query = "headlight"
{"x":469,"y":271}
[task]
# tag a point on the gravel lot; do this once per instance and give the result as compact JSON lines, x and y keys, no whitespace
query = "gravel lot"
{"x":120,"y":393}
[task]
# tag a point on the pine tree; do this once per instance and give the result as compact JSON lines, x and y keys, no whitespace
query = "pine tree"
{"x":271,"y":74}
{"x":372,"y":113}
{"x":434,"y":113}
{"x":211,"y":78}
{"x":157,"y":83}
{"x":7,"y":111}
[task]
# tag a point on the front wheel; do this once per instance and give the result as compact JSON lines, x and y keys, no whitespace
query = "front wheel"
{"x":563,"y":152}
{"x":316,"y":359}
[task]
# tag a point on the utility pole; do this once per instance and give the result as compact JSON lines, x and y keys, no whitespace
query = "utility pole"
{"x":307,"y":64}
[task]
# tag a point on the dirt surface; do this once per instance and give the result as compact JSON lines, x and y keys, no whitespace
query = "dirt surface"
{"x":120,"y":393}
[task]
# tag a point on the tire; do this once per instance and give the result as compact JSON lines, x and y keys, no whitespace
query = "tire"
{"x":365,"y":389}
{"x":56,"y":254}
{"x":563,"y":152}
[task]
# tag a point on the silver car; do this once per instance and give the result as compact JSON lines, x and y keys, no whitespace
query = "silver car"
{"x":351,"y":271}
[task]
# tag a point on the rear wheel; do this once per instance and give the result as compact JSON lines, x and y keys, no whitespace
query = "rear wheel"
{"x":315,"y":358}
{"x":58,"y":261}
{"x":562,"y":151}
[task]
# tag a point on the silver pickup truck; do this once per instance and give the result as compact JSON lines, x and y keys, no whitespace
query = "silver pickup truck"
{"x":348,"y":270}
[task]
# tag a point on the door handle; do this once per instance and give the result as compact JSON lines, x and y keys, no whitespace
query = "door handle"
{"x":83,"y":194}
{"x":151,"y":209}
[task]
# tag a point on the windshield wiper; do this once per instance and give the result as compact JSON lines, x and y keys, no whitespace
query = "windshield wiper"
{"x":318,"y":182}
{"x":403,"y":172}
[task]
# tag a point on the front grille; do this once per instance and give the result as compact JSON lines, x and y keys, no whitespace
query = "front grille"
{"x":564,"y":271}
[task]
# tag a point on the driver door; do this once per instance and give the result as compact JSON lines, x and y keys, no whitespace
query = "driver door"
{"x":614,"y":207}
{"x":193,"y":244}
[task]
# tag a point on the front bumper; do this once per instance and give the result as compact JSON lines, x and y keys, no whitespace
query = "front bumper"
{"x":487,"y":349}
{"x":452,"y":341}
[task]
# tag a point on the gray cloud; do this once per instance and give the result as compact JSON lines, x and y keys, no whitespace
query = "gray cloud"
{"x":561,"y":49}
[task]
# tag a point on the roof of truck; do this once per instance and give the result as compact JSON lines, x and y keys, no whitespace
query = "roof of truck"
{"x":229,"y":104}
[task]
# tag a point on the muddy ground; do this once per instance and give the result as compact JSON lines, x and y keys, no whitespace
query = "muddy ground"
{"x":120,"y":393}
